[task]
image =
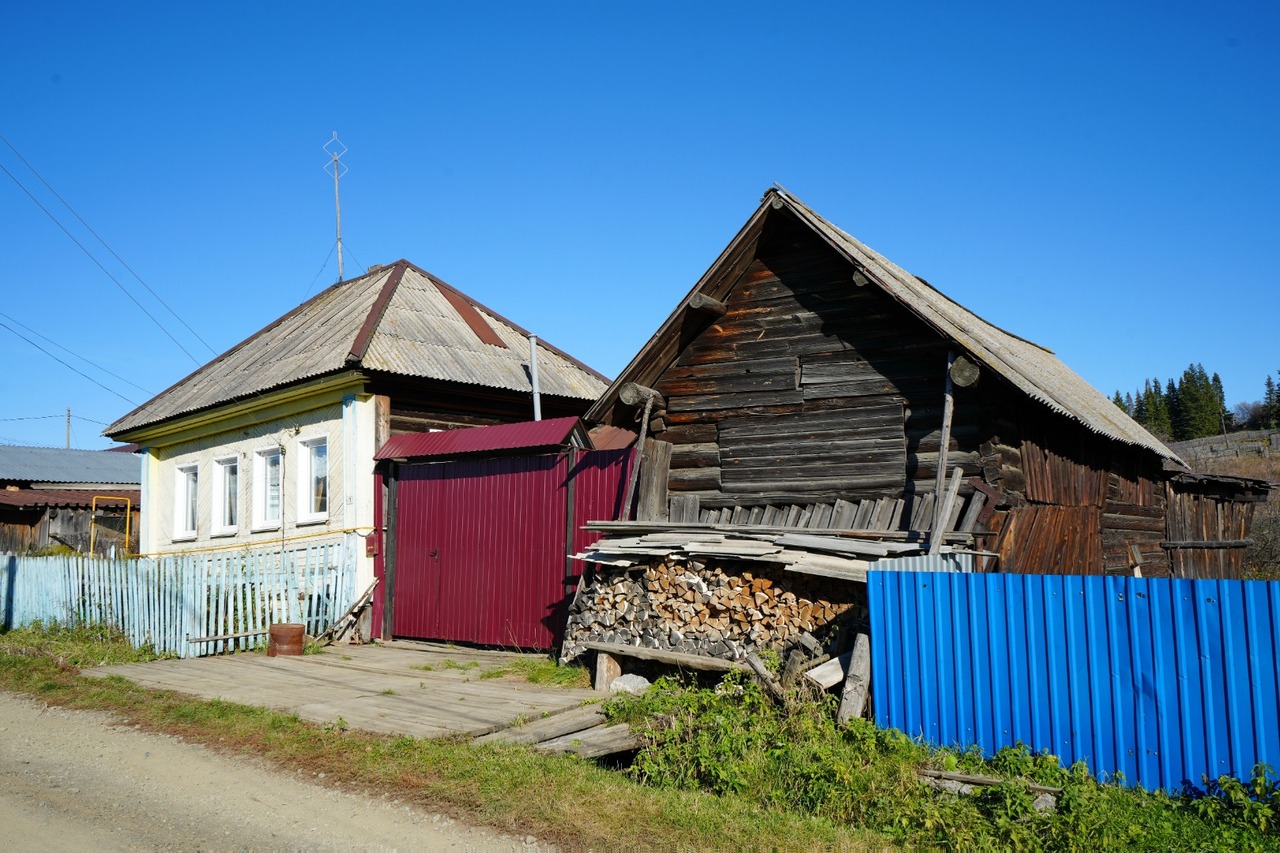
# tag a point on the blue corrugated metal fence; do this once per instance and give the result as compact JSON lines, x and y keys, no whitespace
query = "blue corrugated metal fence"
{"x":1163,"y":681}
{"x":170,"y":602}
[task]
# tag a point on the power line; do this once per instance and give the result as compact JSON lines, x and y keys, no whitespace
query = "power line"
{"x":105,"y":271}
{"x":67,"y":366}
{"x":34,"y":418}
{"x":107,"y":247}
{"x":77,"y":355}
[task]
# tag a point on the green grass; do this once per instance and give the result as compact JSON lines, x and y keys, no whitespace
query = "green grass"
{"x":568,"y":801}
{"x":541,"y":670}
{"x":722,"y":768}
{"x":734,"y":741}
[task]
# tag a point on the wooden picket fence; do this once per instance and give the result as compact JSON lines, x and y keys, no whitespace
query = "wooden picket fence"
{"x":187,"y":605}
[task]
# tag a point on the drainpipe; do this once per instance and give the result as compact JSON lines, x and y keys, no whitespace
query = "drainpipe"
{"x":533,"y":372}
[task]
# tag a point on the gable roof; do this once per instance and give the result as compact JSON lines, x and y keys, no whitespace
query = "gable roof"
{"x":55,"y":465}
{"x":1031,"y":368}
{"x":396,"y":319}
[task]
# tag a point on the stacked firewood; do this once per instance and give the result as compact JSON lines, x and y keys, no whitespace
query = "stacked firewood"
{"x":727,"y":609}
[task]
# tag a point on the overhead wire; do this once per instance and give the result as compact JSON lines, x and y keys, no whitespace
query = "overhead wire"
{"x":105,"y":271}
{"x":71,"y":352}
{"x":128,"y":400}
{"x":97,"y":237}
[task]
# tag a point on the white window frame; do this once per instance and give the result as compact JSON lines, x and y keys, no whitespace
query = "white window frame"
{"x":186,"y":501}
{"x":221,"y":467}
{"x":306,"y":510}
{"x":260,"y":489}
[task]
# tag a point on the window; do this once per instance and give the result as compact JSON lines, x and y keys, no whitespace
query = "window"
{"x":313,"y":480}
{"x":186,"y":501}
{"x":266,"y":487}
{"x":226,"y":495}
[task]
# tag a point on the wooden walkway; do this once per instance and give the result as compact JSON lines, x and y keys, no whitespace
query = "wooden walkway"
{"x":416,"y":689}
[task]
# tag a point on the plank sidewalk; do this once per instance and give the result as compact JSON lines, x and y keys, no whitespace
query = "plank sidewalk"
{"x":380,"y":688}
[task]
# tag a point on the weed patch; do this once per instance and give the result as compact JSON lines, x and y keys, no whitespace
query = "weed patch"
{"x":733,"y":741}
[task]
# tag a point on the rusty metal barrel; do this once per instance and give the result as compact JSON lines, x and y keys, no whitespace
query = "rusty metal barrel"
{"x":285,"y":638}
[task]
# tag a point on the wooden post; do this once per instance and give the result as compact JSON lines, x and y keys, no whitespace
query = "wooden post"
{"x":652,"y":504}
{"x":939,"y":531}
{"x":944,"y":444}
{"x":389,"y":551}
{"x":853,"y":700}
{"x":607,"y":669}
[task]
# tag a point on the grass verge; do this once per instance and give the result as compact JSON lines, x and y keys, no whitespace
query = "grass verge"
{"x":571,"y":802}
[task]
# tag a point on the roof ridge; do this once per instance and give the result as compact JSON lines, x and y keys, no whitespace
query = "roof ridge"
{"x":377,"y":311}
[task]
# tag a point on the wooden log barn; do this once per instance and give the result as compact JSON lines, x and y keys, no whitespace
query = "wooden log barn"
{"x":807,"y":381}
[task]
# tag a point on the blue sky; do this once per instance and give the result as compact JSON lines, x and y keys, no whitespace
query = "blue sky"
{"x":1101,"y":178}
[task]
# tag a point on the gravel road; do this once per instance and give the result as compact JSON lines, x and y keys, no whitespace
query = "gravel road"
{"x":76,"y":781}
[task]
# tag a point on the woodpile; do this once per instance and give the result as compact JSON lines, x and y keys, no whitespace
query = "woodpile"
{"x":721,"y":608}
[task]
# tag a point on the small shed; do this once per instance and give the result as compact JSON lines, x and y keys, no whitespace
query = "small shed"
{"x":477,"y":528}
{"x":81,"y":499}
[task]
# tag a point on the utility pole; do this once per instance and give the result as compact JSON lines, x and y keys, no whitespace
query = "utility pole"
{"x":68,"y":427}
{"x":335,"y":149}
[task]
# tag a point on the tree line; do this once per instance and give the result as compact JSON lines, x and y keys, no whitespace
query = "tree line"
{"x":1194,"y":406}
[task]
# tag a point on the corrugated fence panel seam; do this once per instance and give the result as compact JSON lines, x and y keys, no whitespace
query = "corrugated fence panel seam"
{"x":1165,"y":681}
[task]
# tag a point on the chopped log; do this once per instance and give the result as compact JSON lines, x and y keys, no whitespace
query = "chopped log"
{"x":607,"y":669}
{"x":634,"y":394}
{"x":853,"y":700}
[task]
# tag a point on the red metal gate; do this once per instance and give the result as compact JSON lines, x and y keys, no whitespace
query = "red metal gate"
{"x":480,"y":544}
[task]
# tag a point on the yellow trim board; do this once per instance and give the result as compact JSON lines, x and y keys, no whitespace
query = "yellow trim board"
{"x":267,"y":406}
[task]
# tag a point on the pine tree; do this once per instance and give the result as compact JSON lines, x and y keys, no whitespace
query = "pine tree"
{"x":1118,"y":399}
{"x":1271,"y":402}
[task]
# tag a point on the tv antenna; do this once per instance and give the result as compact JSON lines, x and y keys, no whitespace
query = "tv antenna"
{"x":335,"y":149}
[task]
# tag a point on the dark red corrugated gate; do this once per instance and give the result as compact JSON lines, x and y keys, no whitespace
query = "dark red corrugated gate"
{"x":480,"y":544}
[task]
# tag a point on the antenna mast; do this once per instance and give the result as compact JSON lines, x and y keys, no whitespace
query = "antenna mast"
{"x":335,"y":149}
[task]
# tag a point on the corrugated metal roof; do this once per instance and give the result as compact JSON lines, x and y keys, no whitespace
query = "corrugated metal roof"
{"x":552,"y":433}
{"x":66,"y":497}
{"x":1032,"y":368}
{"x":54,"y":465}
{"x":397,"y":319}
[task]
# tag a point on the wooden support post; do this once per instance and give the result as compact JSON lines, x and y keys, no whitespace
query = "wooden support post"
{"x":853,"y":700}
{"x":939,"y":531}
{"x":634,"y":394}
{"x":652,"y":504}
{"x":390,"y":522}
{"x":607,"y":669}
{"x":944,"y":444}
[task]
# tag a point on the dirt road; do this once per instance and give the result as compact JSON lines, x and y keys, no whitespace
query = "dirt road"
{"x":73,"y":781}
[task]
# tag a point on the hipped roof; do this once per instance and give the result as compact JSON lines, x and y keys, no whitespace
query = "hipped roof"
{"x":396,"y":319}
{"x":1031,"y":368}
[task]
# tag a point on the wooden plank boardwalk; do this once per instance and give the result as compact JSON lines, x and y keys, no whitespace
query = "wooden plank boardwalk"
{"x":409,"y":688}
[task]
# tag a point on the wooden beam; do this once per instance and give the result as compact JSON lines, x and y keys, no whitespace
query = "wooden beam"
{"x":680,"y":659}
{"x":635,"y":394}
{"x":857,"y":682}
{"x":944,"y":441}
{"x":707,"y":305}
{"x":943,"y":518}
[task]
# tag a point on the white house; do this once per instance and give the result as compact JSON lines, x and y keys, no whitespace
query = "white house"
{"x":273,"y":440}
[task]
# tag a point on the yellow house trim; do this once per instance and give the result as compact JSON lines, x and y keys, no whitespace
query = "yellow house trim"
{"x":268,"y":406}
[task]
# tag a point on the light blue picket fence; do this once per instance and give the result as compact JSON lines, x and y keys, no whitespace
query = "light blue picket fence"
{"x":188,"y":605}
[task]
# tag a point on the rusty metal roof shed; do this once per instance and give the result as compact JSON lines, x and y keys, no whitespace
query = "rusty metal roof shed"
{"x":396,"y":319}
{"x":529,"y":435}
